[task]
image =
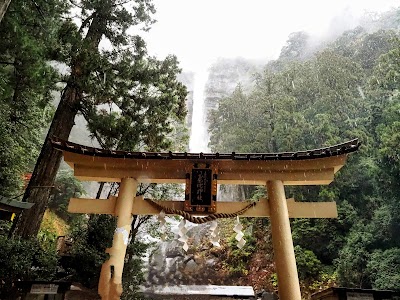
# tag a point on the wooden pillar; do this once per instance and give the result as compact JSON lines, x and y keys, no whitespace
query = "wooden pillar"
{"x":288,"y":280}
{"x":110,"y":284}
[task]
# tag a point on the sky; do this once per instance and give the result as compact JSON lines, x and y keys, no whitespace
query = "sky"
{"x":199,"y":31}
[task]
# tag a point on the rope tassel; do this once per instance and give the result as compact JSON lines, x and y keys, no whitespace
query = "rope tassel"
{"x":161,"y":219}
{"x":239,"y":236}
{"x":182,"y":234}
{"x":214,"y":234}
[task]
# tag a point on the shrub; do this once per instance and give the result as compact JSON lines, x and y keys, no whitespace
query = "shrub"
{"x":24,"y":260}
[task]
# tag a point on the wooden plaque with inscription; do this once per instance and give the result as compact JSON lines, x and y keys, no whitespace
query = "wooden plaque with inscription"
{"x":201,"y":189}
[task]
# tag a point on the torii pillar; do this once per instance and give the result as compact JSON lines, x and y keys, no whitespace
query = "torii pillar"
{"x":285,"y":261}
{"x":110,"y":283}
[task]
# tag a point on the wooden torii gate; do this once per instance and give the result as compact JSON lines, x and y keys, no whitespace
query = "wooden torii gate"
{"x":273,"y":170}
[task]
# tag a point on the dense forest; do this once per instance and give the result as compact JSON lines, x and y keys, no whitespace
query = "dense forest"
{"x":311,"y":96}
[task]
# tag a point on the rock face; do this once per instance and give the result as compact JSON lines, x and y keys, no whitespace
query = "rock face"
{"x":169,"y":264}
{"x":268,"y":296}
{"x":225,"y":75}
{"x":187,"y":78}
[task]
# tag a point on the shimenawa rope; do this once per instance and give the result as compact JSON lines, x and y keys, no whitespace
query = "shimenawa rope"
{"x":200,"y":220}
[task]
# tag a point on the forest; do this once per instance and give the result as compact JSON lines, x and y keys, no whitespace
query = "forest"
{"x":313,"y":95}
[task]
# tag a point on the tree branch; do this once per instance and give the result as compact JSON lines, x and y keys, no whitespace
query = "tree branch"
{"x":86,"y":22}
{"x":38,"y":9}
{"x":7,"y":63}
{"x":75,"y":4}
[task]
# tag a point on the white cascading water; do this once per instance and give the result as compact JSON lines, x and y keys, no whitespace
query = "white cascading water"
{"x":199,"y":137}
{"x":198,"y":134}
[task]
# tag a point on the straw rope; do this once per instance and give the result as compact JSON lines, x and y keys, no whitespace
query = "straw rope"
{"x":200,"y":220}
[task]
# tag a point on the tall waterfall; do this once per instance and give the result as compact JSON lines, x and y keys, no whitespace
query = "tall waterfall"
{"x":199,"y":137}
{"x":198,"y":134}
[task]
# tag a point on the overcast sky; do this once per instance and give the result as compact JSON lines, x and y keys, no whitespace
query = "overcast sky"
{"x":198,"y":31}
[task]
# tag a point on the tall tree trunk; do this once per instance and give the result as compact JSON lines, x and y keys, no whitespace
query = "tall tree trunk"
{"x":39,"y":187}
{"x":3,"y":8}
{"x":43,"y":176}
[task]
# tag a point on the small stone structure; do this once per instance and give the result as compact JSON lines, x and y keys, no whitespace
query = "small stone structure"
{"x":200,"y":292}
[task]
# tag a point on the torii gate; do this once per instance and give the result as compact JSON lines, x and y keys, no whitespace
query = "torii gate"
{"x":273,"y":170}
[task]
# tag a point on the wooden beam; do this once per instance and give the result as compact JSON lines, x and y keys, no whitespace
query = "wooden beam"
{"x":312,"y":209}
{"x":291,"y":172}
{"x":223,"y":165}
{"x":289,"y":177}
{"x":144,"y":207}
{"x":92,"y":206}
{"x":321,"y":176}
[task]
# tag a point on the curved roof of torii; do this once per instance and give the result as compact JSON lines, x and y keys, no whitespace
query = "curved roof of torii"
{"x":308,"y":167}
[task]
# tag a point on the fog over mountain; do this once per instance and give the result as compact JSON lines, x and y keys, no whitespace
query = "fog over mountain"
{"x":199,"y":32}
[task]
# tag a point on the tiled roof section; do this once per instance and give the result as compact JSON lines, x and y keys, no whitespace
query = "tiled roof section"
{"x":11,"y":205}
{"x":339,"y":149}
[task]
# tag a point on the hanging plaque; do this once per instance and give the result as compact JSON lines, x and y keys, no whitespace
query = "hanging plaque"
{"x":201,"y":189}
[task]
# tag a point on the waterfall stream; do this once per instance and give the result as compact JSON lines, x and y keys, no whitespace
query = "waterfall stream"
{"x":198,"y":134}
{"x":169,"y":263}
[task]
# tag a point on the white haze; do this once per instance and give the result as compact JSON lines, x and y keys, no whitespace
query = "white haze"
{"x":199,"y":31}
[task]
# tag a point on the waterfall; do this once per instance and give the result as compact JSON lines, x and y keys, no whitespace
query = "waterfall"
{"x":198,"y":134}
{"x":199,"y":137}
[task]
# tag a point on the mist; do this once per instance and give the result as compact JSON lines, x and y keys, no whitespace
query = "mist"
{"x":199,"y":32}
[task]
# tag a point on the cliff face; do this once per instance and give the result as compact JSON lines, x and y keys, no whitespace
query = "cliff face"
{"x":225,"y":75}
{"x":187,"y":78}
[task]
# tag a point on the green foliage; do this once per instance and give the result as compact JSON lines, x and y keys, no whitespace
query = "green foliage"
{"x":50,"y":230}
{"x":352,"y":263}
{"x":363,"y":47}
{"x":66,"y":186}
{"x":147,"y":119}
{"x":24,"y":260}
{"x":238,"y":259}
{"x":274,"y":280}
{"x":133,"y":275}
{"x":303,"y":101}
{"x":167,"y":191}
{"x":26,"y":81}
{"x":289,"y":109}
{"x":384,"y":267}
{"x":132,"y":101}
{"x":90,"y":240}
{"x":296,"y":47}
{"x":309,"y":266}
{"x":5,"y":226}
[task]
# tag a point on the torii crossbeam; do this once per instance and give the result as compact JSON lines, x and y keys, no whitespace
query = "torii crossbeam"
{"x":273,"y":170}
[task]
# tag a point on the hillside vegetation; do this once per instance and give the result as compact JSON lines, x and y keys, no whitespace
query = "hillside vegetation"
{"x":348,"y":88}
